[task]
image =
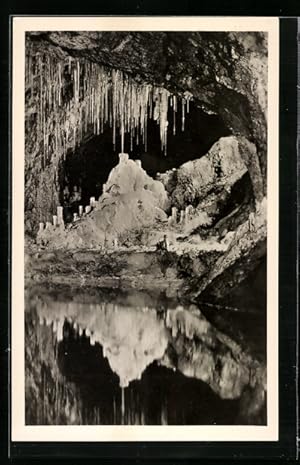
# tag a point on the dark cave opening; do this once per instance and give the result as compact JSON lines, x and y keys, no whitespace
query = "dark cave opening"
{"x":86,"y":169}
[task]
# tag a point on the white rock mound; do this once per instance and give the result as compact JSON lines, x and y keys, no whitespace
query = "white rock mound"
{"x":131,"y":201}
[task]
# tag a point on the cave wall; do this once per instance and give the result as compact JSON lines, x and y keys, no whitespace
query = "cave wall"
{"x":224,"y":74}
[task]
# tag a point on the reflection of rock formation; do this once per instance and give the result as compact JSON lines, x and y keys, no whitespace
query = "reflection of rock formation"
{"x":124,"y":362}
{"x":50,"y":400}
{"x":132,"y":338}
{"x":207,"y":354}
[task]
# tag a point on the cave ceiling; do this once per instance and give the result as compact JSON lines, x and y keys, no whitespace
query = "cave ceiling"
{"x":216,"y":68}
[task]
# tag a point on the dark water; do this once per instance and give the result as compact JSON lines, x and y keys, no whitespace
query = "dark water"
{"x":107,"y":357}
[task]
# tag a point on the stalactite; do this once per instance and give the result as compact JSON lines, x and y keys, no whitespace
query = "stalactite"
{"x":123,"y":405}
{"x":174,"y":114}
{"x":183,"y":114}
{"x":99,"y":97}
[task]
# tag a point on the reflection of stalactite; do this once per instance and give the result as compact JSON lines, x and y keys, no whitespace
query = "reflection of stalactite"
{"x":97,"y":97}
{"x":123,"y":405}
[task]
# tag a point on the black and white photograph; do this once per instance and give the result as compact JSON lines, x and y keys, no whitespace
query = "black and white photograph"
{"x":145,"y":219}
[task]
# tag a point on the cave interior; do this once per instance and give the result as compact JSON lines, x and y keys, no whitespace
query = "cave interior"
{"x":69,"y":73}
{"x":88,"y":166}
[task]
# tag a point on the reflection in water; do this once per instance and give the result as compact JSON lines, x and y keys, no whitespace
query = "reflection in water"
{"x":131,"y":338}
{"x":124,"y":361}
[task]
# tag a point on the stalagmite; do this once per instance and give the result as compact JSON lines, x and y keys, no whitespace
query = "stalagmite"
{"x":92,"y":201}
{"x":123,"y":157}
{"x":80,"y":210}
{"x":167,"y":242}
{"x":55,"y":220}
{"x":188,"y":211}
{"x":174,"y":214}
{"x":182,"y":215}
{"x":60,"y":218}
{"x":41,"y":226}
{"x":87,"y":209}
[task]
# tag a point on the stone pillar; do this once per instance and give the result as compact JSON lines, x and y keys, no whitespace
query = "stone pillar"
{"x":174,"y":214}
{"x":188,"y":211}
{"x":75,"y":216}
{"x":48,"y":225}
{"x":41,"y":227}
{"x":80,"y":210}
{"x":115,"y":243}
{"x":138,"y":163}
{"x":182,"y":216}
{"x":92,"y":201}
{"x":54,"y":220}
{"x":167,"y":243}
{"x":123,"y":157}
{"x":60,"y":213}
{"x":87,"y":209}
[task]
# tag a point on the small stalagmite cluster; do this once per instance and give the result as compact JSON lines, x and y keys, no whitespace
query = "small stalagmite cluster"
{"x":75,"y":96}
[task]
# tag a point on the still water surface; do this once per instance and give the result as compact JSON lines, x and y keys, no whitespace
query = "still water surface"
{"x":108,"y":357}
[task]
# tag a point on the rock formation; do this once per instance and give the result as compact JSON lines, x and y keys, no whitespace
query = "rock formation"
{"x":97,"y":80}
{"x":218,"y":170}
{"x":223,"y":73}
{"x":131,"y":201}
